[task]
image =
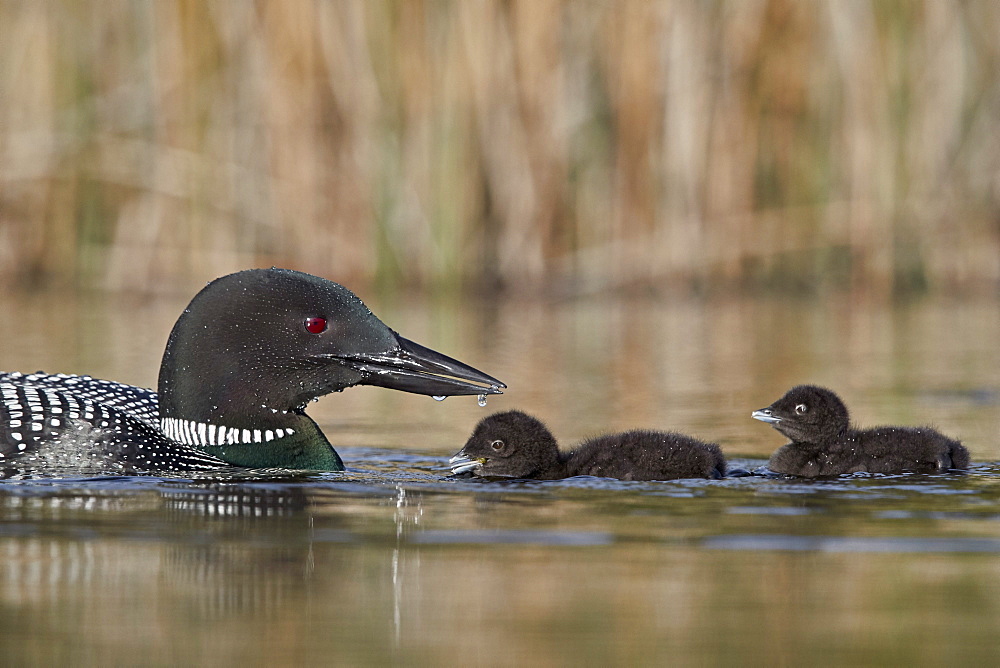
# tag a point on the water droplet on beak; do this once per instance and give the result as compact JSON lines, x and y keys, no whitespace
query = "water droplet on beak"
{"x":482,"y":399}
{"x":438,"y":397}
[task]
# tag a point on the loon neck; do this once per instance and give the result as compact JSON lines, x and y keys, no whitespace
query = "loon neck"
{"x":297,"y":443}
{"x":551,"y":464}
{"x":559,"y":466}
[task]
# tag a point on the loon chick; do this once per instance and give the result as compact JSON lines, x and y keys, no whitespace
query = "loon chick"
{"x":244,"y":358}
{"x":824,"y":442}
{"x":513,"y":444}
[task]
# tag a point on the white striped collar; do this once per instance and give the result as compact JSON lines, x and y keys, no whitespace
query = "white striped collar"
{"x":190,"y":432}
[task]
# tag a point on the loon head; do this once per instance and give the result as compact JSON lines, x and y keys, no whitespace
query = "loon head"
{"x":252,"y":348}
{"x":510,"y":444}
{"x":807,"y":414}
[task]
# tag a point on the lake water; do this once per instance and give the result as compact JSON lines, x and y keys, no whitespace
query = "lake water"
{"x":393,"y":562}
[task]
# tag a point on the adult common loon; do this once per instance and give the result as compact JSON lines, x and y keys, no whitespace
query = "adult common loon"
{"x":823,"y":442}
{"x":244,"y":358}
{"x":513,"y":444}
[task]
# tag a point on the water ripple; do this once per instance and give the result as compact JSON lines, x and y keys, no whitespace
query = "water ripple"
{"x":850,"y":544}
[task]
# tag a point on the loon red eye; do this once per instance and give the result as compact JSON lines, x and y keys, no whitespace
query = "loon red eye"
{"x":315,"y":325}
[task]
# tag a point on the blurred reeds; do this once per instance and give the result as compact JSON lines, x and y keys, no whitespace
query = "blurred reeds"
{"x":581,"y":146}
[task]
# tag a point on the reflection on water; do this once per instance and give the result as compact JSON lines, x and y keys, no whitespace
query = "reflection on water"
{"x":393,"y":562}
{"x":581,"y":570}
{"x":838,"y":544}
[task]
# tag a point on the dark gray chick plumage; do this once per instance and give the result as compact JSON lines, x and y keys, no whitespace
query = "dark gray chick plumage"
{"x":823,"y":442}
{"x":513,"y":444}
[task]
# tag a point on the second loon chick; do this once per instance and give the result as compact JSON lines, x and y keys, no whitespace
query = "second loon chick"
{"x":513,"y":444}
{"x":823,"y":442}
{"x":244,"y":358}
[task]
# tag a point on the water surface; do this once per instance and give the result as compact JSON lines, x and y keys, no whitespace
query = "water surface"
{"x":393,"y":562}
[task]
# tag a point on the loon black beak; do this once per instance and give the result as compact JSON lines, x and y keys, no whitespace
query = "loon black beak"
{"x":411,"y":367}
{"x":764,"y":415}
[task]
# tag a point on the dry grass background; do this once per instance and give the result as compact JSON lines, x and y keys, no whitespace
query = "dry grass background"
{"x":578,"y":145}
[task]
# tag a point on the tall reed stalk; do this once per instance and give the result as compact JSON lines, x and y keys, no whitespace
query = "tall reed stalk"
{"x":574,"y":145}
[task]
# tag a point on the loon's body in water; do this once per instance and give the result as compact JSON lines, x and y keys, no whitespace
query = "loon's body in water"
{"x":823,"y":442}
{"x":513,"y":444}
{"x":242,"y":361}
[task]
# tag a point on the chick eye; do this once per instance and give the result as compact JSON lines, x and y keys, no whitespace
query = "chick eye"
{"x":315,"y":325}
{"x":801,"y":408}
{"x":497,"y":445}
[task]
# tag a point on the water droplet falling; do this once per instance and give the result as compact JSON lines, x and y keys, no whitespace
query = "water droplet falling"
{"x":438,"y":397}
{"x":482,"y":399}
